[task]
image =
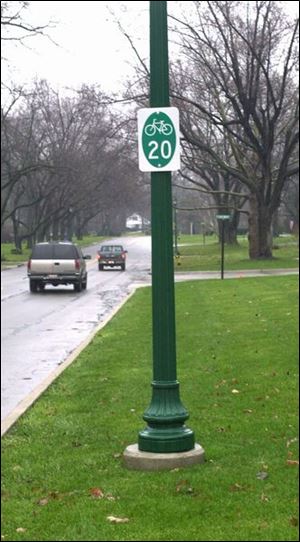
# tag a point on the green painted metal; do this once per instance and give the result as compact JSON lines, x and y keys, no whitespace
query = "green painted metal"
{"x":166,"y":431}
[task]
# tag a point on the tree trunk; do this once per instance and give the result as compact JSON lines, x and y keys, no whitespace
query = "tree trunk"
{"x":17,"y":239}
{"x":231,"y":231}
{"x":275,"y":224}
{"x":260,"y":235}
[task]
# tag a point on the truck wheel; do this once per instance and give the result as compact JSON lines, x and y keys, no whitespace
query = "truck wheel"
{"x":32,"y":286}
{"x":78,"y":286}
{"x":100,"y":267}
{"x":123,"y":267}
{"x":84,"y":284}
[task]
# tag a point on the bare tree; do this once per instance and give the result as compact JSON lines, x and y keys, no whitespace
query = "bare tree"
{"x":241,"y":60}
{"x":15,"y":27}
{"x":205,"y":176}
{"x":64,"y":161}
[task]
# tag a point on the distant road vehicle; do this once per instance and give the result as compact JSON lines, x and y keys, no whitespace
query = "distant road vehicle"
{"x":136,"y":222}
{"x":112,"y":256}
{"x":57,"y":263}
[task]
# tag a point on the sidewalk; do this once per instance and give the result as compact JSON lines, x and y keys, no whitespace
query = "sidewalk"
{"x":194,"y":275}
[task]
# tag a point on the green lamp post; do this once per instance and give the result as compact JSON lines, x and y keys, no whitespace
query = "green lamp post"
{"x":165,"y":431}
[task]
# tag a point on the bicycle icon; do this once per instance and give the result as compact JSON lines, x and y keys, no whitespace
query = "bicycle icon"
{"x":159,"y":126}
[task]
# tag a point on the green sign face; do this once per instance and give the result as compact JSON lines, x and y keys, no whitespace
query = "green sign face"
{"x":159,"y":139}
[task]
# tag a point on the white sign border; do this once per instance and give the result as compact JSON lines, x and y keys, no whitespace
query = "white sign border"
{"x":142,"y":116}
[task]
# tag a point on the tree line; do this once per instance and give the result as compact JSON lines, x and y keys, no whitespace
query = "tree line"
{"x":64,"y":161}
{"x":68,"y":159}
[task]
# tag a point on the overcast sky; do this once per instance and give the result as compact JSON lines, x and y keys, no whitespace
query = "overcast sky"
{"x":91,"y":49}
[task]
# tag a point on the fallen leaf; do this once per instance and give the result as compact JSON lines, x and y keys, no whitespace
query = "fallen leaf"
{"x":264,"y":498}
{"x":181,"y":484}
{"x":43,"y":502}
{"x":294,"y":521}
{"x":114,"y":519}
{"x":289,"y":442}
{"x":54,"y":495}
{"x":292,"y":462}
{"x":21,"y":530}
{"x":110,"y":497}
{"x":262,"y":475}
{"x":96,"y":492}
{"x":183,"y":487}
{"x":247,"y":411}
{"x":235,"y":391}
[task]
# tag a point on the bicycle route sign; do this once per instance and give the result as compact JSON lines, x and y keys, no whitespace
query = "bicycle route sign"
{"x":159,"y":139}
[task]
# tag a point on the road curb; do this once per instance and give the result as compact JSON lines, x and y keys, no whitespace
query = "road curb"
{"x":37,"y":392}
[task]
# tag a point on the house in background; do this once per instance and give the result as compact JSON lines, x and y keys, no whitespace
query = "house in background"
{"x":137,"y":223}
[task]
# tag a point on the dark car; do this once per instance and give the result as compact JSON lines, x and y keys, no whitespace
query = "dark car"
{"x":57,"y":263}
{"x":112,"y":256}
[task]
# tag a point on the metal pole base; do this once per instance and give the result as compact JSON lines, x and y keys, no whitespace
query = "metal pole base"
{"x":166,"y":432}
{"x":166,"y":440}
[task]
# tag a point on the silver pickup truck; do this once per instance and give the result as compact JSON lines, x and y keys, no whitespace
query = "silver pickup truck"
{"x":57,"y":263}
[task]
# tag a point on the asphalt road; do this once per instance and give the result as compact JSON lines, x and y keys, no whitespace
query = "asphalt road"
{"x":39,"y":331}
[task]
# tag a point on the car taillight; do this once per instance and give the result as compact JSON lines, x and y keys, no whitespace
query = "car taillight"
{"x":29,"y":265}
{"x":77,"y":264}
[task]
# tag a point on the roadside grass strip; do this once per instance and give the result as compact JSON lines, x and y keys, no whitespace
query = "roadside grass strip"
{"x":237,"y":363}
{"x":197,"y":256}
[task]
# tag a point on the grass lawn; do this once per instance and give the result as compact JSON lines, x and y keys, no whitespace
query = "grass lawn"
{"x":197,"y":256}
{"x":237,"y":351}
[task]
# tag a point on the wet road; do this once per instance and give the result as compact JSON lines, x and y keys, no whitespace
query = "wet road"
{"x":39,"y":331}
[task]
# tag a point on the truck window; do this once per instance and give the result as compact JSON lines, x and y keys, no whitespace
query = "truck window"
{"x":65,"y":252}
{"x":42,"y":252}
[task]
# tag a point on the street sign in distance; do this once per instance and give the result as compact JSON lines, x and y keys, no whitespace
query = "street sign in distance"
{"x":223,"y":217}
{"x":159,"y":139}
